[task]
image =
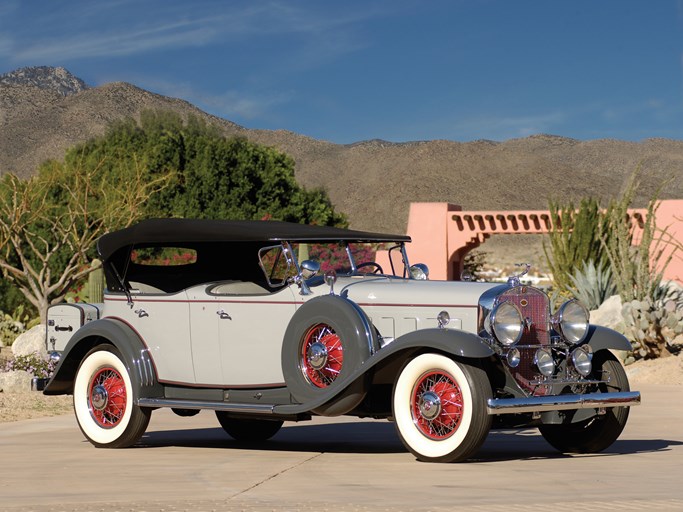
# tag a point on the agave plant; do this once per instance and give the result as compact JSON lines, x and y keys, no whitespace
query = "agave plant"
{"x":592,"y":284}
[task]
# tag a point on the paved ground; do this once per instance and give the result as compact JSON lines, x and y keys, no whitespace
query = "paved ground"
{"x":338,"y":464}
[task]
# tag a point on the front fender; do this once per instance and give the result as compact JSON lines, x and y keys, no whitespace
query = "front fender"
{"x":450,"y":341}
{"x":600,"y":338}
{"x":106,"y":330}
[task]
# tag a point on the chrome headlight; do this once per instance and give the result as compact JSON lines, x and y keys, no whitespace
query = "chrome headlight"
{"x":506,"y":323}
{"x":582,"y":360}
{"x":544,"y":361}
{"x":571,"y":321}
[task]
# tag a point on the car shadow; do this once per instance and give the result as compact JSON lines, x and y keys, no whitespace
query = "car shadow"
{"x":376,"y":437}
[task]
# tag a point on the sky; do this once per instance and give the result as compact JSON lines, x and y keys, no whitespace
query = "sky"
{"x":398,"y":70}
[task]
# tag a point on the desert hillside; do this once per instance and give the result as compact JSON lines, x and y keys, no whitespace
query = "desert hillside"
{"x":373,"y":182}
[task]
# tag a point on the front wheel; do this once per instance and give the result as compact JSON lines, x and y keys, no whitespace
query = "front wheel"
{"x":104,"y":400}
{"x":597,"y":433}
{"x":439,"y":407}
{"x":248,"y":430}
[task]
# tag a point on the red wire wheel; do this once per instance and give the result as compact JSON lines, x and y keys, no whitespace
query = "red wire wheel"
{"x":437,"y":405}
{"x":107,"y":397}
{"x":322,"y":355}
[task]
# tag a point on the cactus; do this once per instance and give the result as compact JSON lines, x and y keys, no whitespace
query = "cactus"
{"x":96,"y":282}
{"x":576,"y":236}
{"x":652,"y":326}
{"x":592,"y":285}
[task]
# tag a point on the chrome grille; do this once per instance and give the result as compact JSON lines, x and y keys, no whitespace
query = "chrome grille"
{"x":534,"y":306}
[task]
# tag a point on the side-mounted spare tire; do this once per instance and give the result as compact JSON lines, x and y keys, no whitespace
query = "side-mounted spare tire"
{"x":327,"y":339}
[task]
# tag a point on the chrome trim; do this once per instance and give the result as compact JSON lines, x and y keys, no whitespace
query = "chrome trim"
{"x":195,"y":404}
{"x":144,"y":366}
{"x":562,"y":402}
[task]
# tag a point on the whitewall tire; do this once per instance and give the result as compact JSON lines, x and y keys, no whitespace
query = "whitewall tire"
{"x":439,"y":406}
{"x":104,"y":401}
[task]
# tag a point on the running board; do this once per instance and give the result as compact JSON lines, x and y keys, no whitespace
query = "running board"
{"x":196,"y":404}
{"x":562,"y":402}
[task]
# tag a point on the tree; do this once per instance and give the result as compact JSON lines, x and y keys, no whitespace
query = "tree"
{"x":49,"y":224}
{"x":211,"y":176}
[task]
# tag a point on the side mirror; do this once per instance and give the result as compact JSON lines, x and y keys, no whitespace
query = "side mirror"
{"x":309,"y":268}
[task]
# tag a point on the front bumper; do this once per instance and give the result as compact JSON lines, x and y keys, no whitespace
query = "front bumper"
{"x":538,"y":404}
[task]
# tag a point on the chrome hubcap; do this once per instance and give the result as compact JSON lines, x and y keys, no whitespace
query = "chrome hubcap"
{"x":99,"y":397}
{"x":317,"y":355}
{"x":429,"y":405}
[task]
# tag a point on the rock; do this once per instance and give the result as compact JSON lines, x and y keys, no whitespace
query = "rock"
{"x":30,"y":342}
{"x":609,"y":314}
{"x":15,"y":381}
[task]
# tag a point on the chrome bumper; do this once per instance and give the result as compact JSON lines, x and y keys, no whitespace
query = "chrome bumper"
{"x":562,"y":402}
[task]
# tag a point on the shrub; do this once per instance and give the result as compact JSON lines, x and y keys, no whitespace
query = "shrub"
{"x":34,"y":363}
{"x":14,"y":324}
{"x":592,"y":284}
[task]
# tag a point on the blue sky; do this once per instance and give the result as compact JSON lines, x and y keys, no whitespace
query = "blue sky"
{"x":397,"y":70}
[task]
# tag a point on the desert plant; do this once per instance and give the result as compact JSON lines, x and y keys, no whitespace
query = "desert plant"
{"x":652,"y":326}
{"x":575,"y":238}
{"x":14,"y":324}
{"x":96,"y":282}
{"x":637,"y":269}
{"x":651,"y":309}
{"x":592,"y":284}
{"x":474,"y":264}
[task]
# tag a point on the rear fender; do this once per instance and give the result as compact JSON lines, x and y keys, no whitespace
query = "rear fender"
{"x":117,"y":333}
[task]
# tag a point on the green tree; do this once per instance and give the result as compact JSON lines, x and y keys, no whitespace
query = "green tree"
{"x":210,"y":176}
{"x":49,"y":225}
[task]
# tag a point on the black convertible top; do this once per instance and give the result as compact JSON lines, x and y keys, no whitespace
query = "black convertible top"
{"x":177,"y":231}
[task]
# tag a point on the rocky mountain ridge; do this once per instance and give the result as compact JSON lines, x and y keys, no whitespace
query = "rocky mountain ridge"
{"x":374,"y":181}
{"x":49,"y":78}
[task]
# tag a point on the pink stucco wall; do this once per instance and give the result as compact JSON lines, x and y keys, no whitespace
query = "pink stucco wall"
{"x":443,"y":234}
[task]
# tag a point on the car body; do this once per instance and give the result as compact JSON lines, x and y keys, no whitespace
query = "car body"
{"x":266,"y":322}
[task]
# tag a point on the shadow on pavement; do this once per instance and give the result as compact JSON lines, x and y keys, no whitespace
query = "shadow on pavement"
{"x":367,"y":437}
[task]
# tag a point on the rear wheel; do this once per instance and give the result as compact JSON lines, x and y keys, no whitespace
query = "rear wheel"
{"x":439,"y":407}
{"x":248,"y":430}
{"x":104,"y":400}
{"x":597,"y":433}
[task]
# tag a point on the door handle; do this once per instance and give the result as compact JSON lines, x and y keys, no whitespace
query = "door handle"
{"x":223,"y":315}
{"x":141,"y":313}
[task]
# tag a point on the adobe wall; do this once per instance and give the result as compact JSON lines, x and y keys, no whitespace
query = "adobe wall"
{"x":443,"y":233}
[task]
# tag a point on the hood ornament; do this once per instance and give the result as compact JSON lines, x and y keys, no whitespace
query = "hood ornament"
{"x":514,"y":280}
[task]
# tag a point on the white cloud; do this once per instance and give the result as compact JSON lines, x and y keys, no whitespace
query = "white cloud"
{"x":120,"y":29}
{"x":230,"y":104}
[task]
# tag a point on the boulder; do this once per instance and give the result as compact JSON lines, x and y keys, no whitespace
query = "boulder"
{"x":15,"y":381}
{"x":30,"y":342}
{"x":609,"y":314}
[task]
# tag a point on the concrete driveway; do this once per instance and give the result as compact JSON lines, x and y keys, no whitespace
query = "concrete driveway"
{"x":338,"y":464}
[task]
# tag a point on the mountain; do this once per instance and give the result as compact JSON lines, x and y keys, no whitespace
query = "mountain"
{"x":45,"y":77}
{"x":44,"y":111}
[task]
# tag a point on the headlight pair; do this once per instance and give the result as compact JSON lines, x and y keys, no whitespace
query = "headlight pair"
{"x":507,"y":324}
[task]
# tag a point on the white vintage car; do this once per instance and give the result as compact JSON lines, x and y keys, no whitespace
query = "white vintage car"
{"x":265,"y":322}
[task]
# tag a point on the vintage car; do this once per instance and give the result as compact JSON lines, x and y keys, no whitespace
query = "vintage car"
{"x":265,"y":322}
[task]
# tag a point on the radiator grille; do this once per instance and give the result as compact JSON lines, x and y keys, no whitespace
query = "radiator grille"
{"x":534,"y":306}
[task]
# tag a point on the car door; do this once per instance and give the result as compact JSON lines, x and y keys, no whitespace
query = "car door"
{"x":163,"y":323}
{"x":251,"y":328}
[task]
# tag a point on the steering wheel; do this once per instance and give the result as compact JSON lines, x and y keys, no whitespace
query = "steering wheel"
{"x":378,"y":268}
